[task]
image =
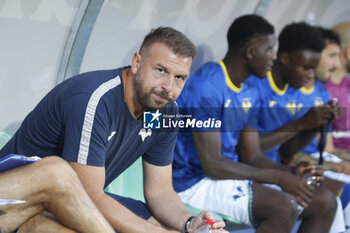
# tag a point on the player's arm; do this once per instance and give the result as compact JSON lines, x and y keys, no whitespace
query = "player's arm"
{"x":248,"y":148}
{"x":165,"y":204}
{"x":250,"y":153}
{"x":341,"y":167}
{"x":214,"y":164}
{"x":301,"y":131}
{"x":330,"y":148}
{"x":120,"y":218}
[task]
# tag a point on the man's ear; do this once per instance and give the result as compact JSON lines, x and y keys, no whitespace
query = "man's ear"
{"x":347,"y":53}
{"x":284,"y":57}
{"x":249,"y":52}
{"x":136,"y":62}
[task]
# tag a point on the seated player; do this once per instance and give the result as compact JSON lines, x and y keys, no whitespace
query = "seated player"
{"x":283,"y":115}
{"x":208,"y":171}
{"x":315,"y":94}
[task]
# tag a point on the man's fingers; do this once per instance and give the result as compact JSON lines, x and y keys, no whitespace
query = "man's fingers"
{"x":218,"y":224}
{"x":301,"y":202}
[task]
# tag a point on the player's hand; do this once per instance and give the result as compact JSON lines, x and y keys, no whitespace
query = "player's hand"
{"x":201,"y":220}
{"x":308,"y":167}
{"x":336,"y":109}
{"x":316,"y":117}
{"x":298,"y":187}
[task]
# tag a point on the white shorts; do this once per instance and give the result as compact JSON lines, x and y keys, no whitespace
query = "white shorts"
{"x":329,"y":174}
{"x":232,"y":198}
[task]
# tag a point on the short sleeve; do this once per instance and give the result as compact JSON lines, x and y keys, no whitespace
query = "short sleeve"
{"x":161,"y":153}
{"x":202,"y":100}
{"x":253,"y":117}
{"x":258,"y":97}
{"x":85,"y":135}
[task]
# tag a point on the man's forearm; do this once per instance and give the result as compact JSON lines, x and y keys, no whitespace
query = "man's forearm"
{"x":342,"y":167}
{"x":121,"y":218}
{"x":168,"y":208}
{"x":264,"y":162}
{"x":342,"y":153}
{"x":296,"y":144}
{"x":270,"y":140}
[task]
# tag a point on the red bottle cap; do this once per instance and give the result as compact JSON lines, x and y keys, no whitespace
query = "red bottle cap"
{"x":210,"y":222}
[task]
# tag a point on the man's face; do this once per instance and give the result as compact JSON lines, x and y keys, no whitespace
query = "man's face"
{"x":160,"y":76}
{"x":263,"y":55}
{"x":300,"y":67}
{"x":329,"y":62}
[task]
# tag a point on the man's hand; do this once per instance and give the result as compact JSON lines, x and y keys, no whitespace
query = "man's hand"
{"x":336,"y":109}
{"x":201,"y":220}
{"x":298,"y":187}
{"x":308,"y":170}
{"x":308,"y":167}
{"x":316,"y":117}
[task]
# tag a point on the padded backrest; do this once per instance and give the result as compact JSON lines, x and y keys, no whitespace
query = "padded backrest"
{"x":4,"y":138}
{"x":129,"y":183}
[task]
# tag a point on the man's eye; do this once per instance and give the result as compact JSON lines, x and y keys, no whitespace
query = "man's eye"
{"x":160,"y":70}
{"x":180,"y":77}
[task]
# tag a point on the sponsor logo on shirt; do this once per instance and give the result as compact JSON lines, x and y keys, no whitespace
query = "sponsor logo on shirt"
{"x":292,"y":107}
{"x":246,"y":104}
{"x":318,"y":101}
{"x":272,"y":103}
{"x":110,"y":136}
{"x":144,"y":133}
{"x":227,"y":103}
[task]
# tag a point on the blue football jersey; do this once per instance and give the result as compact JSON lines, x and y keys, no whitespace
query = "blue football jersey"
{"x":210,"y":93}
{"x":315,"y":96}
{"x":278,"y":107}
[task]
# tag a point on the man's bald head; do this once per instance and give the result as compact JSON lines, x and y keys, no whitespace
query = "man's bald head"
{"x":343,"y":30}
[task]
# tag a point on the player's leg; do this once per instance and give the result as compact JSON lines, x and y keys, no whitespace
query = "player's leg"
{"x":49,"y":184}
{"x":274,"y":210}
{"x":255,"y":205}
{"x":345,"y":199}
{"x":42,"y":224}
{"x":318,"y":217}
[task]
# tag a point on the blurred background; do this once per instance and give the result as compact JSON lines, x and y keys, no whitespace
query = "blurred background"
{"x":44,"y":42}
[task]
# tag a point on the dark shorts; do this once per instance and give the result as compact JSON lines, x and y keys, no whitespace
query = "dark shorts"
{"x":137,"y":207}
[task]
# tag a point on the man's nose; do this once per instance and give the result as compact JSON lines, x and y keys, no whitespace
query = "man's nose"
{"x":168,"y":83}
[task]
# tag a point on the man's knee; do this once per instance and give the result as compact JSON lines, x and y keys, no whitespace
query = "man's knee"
{"x":58,"y":174}
{"x":273,"y":203}
{"x":286,"y":205}
{"x":324,"y":202}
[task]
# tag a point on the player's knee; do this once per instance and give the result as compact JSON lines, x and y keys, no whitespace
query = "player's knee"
{"x":282,"y":206}
{"x":324,"y":202}
{"x":287,"y":206}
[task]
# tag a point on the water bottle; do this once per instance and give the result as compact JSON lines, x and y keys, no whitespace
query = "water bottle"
{"x":206,"y":228}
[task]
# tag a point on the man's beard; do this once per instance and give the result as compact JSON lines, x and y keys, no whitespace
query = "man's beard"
{"x":145,"y":99}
